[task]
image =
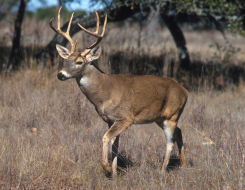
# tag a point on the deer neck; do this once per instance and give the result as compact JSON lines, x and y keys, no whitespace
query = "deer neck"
{"x":91,"y":83}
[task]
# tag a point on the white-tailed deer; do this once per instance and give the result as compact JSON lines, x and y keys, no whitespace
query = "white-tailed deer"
{"x":123,"y":100}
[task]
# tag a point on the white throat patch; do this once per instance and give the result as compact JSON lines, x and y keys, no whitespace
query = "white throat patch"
{"x":84,"y":82}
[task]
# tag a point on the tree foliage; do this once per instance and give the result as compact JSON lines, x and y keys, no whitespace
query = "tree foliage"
{"x":233,"y":12}
{"x":230,"y":11}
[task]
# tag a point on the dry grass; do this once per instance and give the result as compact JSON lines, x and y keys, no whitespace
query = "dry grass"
{"x":50,"y":138}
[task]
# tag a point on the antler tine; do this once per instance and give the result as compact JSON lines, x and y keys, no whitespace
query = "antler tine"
{"x":65,"y":34}
{"x":103,"y":32}
{"x":97,"y":23}
{"x":101,"y":36}
{"x":69,"y":25}
{"x":97,"y":26}
{"x":58,"y":23}
{"x":88,"y":49}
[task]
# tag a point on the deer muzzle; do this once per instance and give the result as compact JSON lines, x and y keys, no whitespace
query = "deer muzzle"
{"x":61,"y":77}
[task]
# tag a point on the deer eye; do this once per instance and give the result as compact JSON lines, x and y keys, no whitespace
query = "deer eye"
{"x":79,"y":63}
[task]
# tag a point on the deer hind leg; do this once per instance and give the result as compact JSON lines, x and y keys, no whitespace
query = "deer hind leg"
{"x":168,"y":127}
{"x":179,"y":141}
{"x":114,"y":131}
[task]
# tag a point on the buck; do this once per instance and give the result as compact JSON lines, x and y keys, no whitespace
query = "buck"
{"x":123,"y":100}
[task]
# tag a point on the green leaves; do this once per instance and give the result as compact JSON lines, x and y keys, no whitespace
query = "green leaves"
{"x":231,"y":11}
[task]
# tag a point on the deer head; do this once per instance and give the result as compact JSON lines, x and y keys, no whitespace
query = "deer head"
{"x":76,"y":62}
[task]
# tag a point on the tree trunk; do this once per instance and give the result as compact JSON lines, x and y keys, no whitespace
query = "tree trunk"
{"x":15,"y":53}
{"x":179,"y":40}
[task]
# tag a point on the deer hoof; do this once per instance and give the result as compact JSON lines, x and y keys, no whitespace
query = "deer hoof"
{"x":106,"y":166}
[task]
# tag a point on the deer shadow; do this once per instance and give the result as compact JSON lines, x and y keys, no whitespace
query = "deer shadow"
{"x":124,"y":163}
{"x":174,"y":163}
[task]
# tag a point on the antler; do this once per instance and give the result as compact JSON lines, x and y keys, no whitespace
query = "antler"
{"x":65,"y":34}
{"x":100,"y":37}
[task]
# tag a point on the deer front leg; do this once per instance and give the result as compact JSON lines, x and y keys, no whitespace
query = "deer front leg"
{"x":114,"y":131}
{"x":115,"y":144}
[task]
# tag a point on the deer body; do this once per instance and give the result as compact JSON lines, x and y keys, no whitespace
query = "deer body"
{"x":141,"y":99}
{"x":123,"y":100}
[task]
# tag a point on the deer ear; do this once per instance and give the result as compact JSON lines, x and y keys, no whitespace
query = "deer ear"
{"x":94,"y":53}
{"x":64,"y":53}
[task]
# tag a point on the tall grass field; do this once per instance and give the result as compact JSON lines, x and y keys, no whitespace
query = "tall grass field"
{"x":51,"y":135}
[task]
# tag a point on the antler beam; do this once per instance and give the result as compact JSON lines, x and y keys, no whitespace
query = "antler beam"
{"x":96,"y":34}
{"x":65,"y":34}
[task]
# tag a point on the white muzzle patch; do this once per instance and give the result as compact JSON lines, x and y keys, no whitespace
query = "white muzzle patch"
{"x":67,"y":75}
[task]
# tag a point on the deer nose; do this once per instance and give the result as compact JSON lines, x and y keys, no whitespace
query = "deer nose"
{"x":61,"y":76}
